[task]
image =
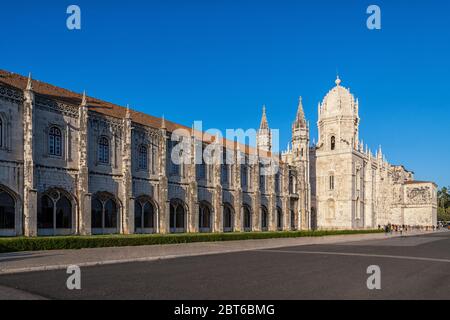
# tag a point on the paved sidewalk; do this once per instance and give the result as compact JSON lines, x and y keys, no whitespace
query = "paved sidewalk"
{"x":60,"y":259}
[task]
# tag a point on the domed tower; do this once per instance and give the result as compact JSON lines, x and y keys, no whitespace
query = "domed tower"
{"x":338,"y":120}
{"x":337,"y":162}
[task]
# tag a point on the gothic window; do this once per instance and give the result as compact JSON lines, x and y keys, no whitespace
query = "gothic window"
{"x":7,"y":211}
{"x":264,"y":219}
{"x":143,"y":158}
{"x":103,"y":150}
{"x":244,"y":175}
{"x":332,"y":182}
{"x":104,"y":213}
{"x":279,"y":219}
{"x":63,"y":213}
{"x":333,"y":143}
{"x":201,"y":171}
{"x":227,"y":218}
{"x":175,"y":159}
{"x":177,"y":216}
{"x":97,"y":213}
{"x":144,"y":215}
{"x":204,"y":218}
{"x":45,"y":216}
{"x":110,"y":214}
{"x":247,"y":219}
{"x":262,"y":183}
{"x":277,"y":183}
{"x":55,"y":142}
{"x":55,"y":212}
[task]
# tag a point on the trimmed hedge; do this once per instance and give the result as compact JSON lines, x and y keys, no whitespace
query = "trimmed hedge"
{"x":80,"y":242}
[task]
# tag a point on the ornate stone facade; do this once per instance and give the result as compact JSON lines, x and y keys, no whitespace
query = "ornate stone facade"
{"x":70,"y":164}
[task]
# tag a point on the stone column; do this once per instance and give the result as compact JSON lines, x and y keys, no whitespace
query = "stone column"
{"x":256,"y":197}
{"x":30,"y":194}
{"x":163,"y":186}
{"x":192,"y":190}
{"x":127,"y":178}
{"x":285,"y":197}
{"x":217,"y":197}
{"x":237,"y":190}
{"x":270,"y":177}
{"x":84,"y":198}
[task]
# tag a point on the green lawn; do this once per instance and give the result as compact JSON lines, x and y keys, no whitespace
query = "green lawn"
{"x":79,"y":242}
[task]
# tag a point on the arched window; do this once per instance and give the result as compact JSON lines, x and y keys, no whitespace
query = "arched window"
{"x":54,"y":214}
{"x":45,"y":216}
{"x":143,"y":158}
{"x":264,"y":219}
{"x":227,"y":218}
{"x":104,"y":212}
{"x":103,"y":150}
{"x":7,"y":211}
{"x":144,"y":216}
{"x":279,"y":219}
{"x":204,"y":218}
{"x":55,"y":142}
{"x":97,"y":213}
{"x":333,"y":143}
{"x":63,"y":213}
{"x":247,"y":219}
{"x":110,"y":214}
{"x":177,"y":217}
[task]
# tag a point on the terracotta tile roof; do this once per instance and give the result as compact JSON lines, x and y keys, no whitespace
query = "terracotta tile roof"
{"x":72,"y":98}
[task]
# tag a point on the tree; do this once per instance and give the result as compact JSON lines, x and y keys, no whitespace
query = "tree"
{"x":444,"y":204}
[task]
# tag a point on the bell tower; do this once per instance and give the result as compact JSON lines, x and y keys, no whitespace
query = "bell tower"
{"x":338,"y":120}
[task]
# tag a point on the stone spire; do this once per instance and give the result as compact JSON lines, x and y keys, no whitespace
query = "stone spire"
{"x":29,"y":83}
{"x":128,"y":114}
{"x":379,"y":153}
{"x":300,"y":121}
{"x":163,"y":123}
{"x":264,"y":123}
{"x":84,"y":100}
{"x":264,"y":137}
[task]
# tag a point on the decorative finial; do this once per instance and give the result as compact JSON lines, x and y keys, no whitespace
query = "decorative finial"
{"x":338,"y":81}
{"x":84,"y":99}
{"x":163,"y":123}
{"x":30,"y":82}
{"x":128,"y":114}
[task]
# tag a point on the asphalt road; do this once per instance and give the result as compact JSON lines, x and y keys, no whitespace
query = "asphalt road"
{"x":411,"y":268}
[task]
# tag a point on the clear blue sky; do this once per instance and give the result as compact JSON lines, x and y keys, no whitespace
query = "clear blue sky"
{"x":220,"y":61}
